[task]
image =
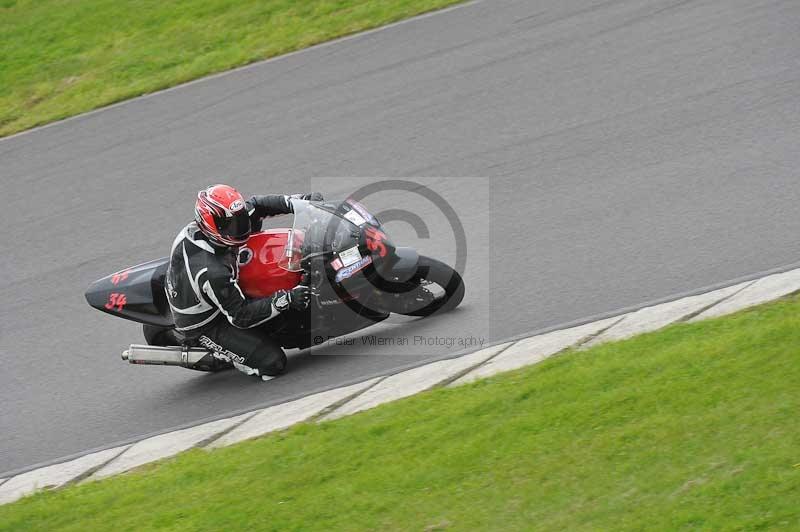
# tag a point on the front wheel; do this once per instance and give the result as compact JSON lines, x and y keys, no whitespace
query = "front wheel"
{"x":435,"y":287}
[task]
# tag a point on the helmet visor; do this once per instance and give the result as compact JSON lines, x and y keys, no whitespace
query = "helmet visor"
{"x":235,"y":228}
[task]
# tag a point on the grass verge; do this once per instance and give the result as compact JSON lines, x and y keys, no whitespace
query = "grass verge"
{"x":694,"y":426}
{"x":60,"y":58}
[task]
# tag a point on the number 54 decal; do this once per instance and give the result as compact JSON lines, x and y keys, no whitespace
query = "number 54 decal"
{"x":375,"y":240}
{"x":116,"y":300}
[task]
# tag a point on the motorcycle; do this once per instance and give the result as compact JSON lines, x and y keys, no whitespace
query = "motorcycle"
{"x":357,"y":276}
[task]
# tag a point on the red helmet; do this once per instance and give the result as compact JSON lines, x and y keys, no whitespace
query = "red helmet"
{"x":221,"y":214}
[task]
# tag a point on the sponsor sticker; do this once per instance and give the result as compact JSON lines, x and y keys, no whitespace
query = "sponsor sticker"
{"x":356,"y":218}
{"x":349,"y":271}
{"x":349,"y":256}
{"x":336,"y":264}
{"x":362,"y":211}
{"x":236,"y":206}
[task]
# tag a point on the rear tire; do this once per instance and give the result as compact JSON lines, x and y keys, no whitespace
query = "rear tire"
{"x":160,"y":336}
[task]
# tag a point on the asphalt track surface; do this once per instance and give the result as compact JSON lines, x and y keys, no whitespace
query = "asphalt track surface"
{"x":621,"y":152}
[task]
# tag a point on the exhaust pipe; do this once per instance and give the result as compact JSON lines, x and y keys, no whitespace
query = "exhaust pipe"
{"x":167,"y":356}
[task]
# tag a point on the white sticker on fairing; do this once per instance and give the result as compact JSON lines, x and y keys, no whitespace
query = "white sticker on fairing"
{"x":349,"y":256}
{"x":362,"y":211}
{"x":356,"y":218}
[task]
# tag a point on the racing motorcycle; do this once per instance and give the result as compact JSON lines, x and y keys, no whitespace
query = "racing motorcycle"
{"x":357,"y":276}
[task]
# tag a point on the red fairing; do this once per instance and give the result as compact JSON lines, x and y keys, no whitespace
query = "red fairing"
{"x":259,"y":273}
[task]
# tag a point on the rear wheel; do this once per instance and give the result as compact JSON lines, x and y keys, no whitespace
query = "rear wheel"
{"x":161,"y":336}
{"x":436,"y":287}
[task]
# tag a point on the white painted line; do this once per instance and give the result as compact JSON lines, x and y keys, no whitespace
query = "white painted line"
{"x":532,"y":350}
{"x":54,"y":476}
{"x":166,"y":445}
{"x":764,"y":290}
{"x":413,"y":381}
{"x":653,"y":318}
{"x":285,"y":415}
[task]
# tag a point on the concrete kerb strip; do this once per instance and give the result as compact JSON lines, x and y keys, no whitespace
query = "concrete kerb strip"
{"x":342,"y":401}
{"x":761,"y":291}
{"x":57,"y":475}
{"x":413,"y":381}
{"x":166,"y":445}
{"x":658,"y":316}
{"x":537,"y":348}
{"x":285,"y":415}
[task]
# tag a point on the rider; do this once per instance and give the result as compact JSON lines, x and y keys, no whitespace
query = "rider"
{"x":208,"y":307}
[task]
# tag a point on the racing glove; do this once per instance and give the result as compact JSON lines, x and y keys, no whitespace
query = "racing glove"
{"x":313,"y":196}
{"x":297,"y":298}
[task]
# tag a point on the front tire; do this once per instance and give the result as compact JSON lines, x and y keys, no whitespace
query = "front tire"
{"x":431,"y":271}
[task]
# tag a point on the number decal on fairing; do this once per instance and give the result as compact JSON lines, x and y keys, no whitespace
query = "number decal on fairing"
{"x":119,"y":277}
{"x":375,"y":240}
{"x":116,"y":300}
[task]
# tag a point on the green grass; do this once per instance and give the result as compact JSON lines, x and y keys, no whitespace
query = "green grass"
{"x":692,"y":427}
{"x":59,"y":58}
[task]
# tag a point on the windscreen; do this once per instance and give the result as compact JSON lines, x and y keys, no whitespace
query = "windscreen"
{"x":320,"y":227}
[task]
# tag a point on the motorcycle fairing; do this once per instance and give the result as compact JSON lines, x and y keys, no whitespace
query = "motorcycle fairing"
{"x":135,"y":293}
